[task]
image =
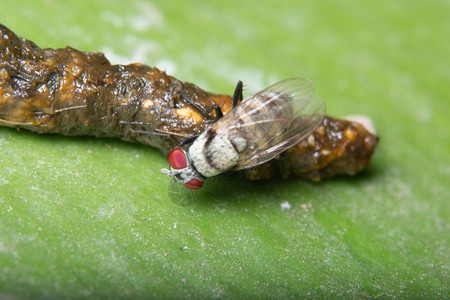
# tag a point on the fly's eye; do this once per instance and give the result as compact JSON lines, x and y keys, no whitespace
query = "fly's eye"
{"x":193,"y":184}
{"x":177,"y":159}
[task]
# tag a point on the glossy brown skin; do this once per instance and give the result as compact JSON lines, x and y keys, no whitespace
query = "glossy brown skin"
{"x":336,"y":147}
{"x":70,"y":92}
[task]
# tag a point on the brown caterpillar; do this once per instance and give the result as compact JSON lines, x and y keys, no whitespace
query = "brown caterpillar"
{"x":70,"y":92}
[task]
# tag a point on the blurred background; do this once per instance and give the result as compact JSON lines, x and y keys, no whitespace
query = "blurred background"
{"x":90,"y":218}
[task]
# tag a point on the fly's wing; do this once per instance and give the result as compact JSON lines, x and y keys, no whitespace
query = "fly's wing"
{"x":182,"y":196}
{"x":273,"y":120}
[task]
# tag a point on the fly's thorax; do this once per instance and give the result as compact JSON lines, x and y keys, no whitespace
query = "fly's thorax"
{"x":260,"y":110}
{"x":251,"y":122}
{"x":213,"y":153}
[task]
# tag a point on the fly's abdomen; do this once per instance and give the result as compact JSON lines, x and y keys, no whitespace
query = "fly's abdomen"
{"x":259,"y":122}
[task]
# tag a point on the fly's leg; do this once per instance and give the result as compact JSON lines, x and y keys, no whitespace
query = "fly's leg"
{"x":216,"y":108}
{"x":189,"y":140}
{"x":204,"y":113}
{"x":237,"y":98}
{"x":237,"y":95}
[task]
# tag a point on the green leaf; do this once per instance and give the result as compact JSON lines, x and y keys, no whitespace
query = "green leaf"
{"x":91,"y":218}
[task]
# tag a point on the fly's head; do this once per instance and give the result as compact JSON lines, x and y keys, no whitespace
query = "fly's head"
{"x":182,"y":170}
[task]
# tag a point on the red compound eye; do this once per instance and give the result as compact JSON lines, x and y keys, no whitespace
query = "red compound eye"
{"x":177,"y":159}
{"x":193,"y":184}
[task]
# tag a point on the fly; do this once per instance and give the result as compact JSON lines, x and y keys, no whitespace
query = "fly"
{"x":261,"y":127}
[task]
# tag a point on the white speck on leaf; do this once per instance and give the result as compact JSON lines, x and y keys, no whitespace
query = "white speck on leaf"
{"x":285,"y":205}
{"x":363,"y":120}
{"x":306,"y":206}
{"x":147,"y":17}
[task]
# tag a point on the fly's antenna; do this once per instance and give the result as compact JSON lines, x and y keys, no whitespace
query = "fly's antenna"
{"x":167,"y":172}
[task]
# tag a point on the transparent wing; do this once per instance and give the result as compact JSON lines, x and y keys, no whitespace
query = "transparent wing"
{"x":272,"y":120}
{"x":182,"y":196}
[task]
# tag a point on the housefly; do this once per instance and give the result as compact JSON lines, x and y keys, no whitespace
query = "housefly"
{"x":261,"y":127}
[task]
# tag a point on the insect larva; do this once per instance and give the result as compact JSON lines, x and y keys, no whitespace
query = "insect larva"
{"x":70,"y":92}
